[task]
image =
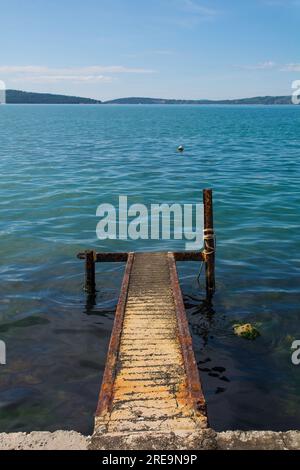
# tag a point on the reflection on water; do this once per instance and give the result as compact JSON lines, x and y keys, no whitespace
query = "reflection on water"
{"x":243,"y":381}
{"x":57,"y":164}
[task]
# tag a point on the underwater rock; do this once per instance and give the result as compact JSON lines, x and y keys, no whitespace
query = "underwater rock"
{"x":246,"y":331}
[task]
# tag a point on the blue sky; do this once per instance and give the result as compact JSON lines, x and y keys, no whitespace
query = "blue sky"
{"x":160,"y":48}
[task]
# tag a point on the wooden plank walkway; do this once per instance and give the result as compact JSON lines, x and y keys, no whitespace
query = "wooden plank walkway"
{"x":151,"y":381}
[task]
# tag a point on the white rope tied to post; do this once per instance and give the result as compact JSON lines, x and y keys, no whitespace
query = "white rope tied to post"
{"x":208,"y":235}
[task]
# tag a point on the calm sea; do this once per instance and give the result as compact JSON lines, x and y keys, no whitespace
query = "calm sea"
{"x":58,"y":163}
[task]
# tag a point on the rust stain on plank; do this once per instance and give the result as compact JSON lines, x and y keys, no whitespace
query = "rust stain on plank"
{"x":106,"y":393}
{"x":151,"y":381}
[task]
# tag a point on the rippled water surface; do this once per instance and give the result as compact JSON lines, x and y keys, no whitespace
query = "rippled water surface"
{"x":58,"y":163}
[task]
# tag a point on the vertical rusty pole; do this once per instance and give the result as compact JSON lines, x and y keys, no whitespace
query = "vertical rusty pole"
{"x":90,"y":272}
{"x":209,"y":242}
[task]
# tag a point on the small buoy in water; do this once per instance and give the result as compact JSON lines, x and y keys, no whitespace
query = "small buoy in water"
{"x":180,"y":148}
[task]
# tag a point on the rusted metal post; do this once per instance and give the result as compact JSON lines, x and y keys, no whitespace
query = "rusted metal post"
{"x":209,"y":242}
{"x":90,"y":272}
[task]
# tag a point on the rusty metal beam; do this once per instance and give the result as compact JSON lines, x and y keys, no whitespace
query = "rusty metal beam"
{"x":107,"y":257}
{"x":122,"y":257}
{"x":192,"y":374}
{"x":90,"y":272}
{"x":188,"y":256}
{"x":209,"y":242}
{"x":106,"y":393}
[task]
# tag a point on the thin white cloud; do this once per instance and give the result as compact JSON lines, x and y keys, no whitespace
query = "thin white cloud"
{"x":197,"y":8}
{"x":67,"y":71}
{"x":158,"y":52}
{"x":189,"y":13}
{"x":268,"y":65}
{"x":89,"y":74}
{"x":291,"y":68}
{"x":163,"y":52}
{"x":12,"y":69}
{"x":63,"y":78}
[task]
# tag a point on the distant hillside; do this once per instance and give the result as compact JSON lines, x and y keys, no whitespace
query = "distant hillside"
{"x":257,"y":100}
{"x":24,"y":97}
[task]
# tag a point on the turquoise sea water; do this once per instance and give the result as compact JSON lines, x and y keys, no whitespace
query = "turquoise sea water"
{"x":58,"y":163}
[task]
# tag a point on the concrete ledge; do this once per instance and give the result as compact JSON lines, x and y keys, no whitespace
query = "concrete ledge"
{"x":258,"y":440}
{"x":149,"y":440}
{"x":60,"y":440}
{"x":202,"y":440}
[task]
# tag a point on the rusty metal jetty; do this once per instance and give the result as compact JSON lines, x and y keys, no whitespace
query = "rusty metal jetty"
{"x":151,"y":381}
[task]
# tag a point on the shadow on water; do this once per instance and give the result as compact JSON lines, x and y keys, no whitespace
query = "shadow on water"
{"x":92,"y":307}
{"x":203,"y":320}
{"x":246,"y":383}
{"x":205,"y":313}
{"x":90,"y":304}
